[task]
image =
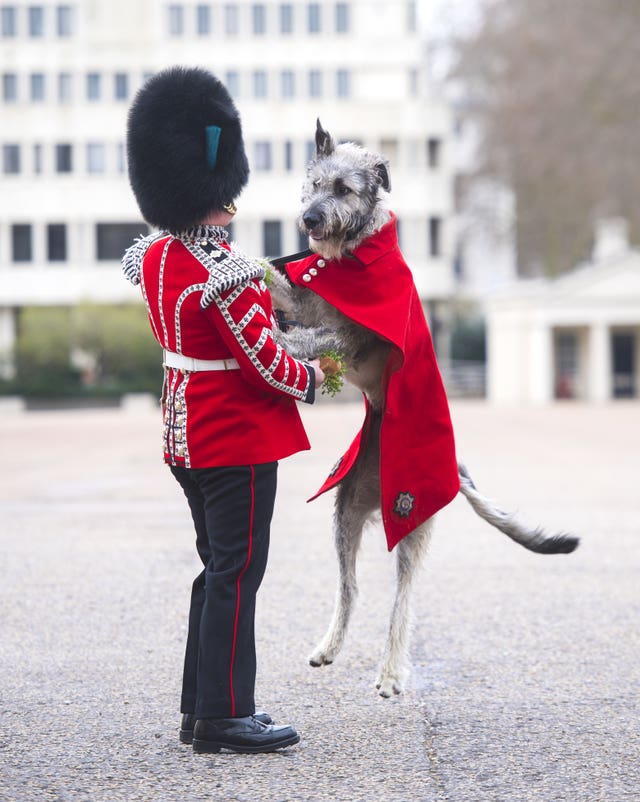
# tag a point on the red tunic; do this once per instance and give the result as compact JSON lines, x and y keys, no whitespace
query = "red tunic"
{"x":418,"y":466}
{"x":211,"y":303}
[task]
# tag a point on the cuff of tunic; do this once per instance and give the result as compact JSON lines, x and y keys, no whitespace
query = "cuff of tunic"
{"x":310,"y":396}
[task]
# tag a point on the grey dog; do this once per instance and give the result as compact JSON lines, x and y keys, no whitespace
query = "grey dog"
{"x":344,"y":201}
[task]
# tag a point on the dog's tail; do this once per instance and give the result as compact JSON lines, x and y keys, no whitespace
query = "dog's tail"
{"x":533,"y":539}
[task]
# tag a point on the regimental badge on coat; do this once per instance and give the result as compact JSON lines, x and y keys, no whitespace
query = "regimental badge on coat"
{"x":403,"y":504}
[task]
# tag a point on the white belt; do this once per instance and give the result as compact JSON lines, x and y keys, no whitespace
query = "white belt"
{"x":190,"y":363}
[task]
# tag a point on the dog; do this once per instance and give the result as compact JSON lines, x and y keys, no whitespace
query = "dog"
{"x":345,"y":202}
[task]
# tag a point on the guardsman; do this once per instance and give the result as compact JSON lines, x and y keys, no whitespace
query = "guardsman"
{"x":230,"y":391}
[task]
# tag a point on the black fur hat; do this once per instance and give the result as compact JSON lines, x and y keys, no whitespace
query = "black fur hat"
{"x":185,"y":149}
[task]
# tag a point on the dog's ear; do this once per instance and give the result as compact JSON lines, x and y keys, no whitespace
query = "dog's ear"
{"x":382,"y":168}
{"x":324,"y":142}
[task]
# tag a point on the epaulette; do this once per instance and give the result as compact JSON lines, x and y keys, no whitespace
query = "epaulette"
{"x":226,"y":269}
{"x":133,"y":256}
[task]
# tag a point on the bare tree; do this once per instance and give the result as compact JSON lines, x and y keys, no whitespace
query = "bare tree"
{"x":556,"y":90}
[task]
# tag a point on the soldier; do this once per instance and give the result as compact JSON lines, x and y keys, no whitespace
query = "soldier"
{"x":230,"y":391}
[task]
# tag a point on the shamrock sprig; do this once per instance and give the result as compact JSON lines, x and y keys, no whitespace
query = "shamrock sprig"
{"x":332,"y":364}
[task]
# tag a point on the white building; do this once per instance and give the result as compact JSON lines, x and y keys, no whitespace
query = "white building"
{"x":69,"y":72}
{"x":577,"y":336}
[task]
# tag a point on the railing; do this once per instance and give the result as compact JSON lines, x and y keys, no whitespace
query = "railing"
{"x":465,"y":379}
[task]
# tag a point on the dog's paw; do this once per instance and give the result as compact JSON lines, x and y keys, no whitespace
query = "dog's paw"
{"x":320,"y":657}
{"x":388,"y":685}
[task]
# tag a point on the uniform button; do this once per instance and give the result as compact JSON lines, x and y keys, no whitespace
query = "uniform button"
{"x":306,"y":277}
{"x":321,"y":263}
{"x":313,"y":271}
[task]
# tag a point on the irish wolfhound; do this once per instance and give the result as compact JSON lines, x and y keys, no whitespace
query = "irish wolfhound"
{"x":345,"y":202}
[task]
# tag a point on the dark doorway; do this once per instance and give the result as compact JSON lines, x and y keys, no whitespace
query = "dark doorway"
{"x":623,"y":347}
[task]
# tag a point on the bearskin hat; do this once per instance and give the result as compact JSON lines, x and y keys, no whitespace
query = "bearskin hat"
{"x":184,"y":146}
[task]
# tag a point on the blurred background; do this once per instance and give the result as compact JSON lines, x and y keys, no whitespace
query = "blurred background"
{"x":511,"y":128}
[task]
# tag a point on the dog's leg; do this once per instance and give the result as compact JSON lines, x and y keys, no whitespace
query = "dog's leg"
{"x":349,"y":521}
{"x":395,"y":661}
{"x":357,"y":499}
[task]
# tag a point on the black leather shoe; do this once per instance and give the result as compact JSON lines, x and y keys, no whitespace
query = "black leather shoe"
{"x":245,"y":734}
{"x":188,"y":722}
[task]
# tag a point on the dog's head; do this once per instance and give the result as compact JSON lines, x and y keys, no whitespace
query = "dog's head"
{"x":343,"y":195}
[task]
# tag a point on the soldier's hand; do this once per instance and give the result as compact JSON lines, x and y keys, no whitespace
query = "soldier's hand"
{"x":315,"y":364}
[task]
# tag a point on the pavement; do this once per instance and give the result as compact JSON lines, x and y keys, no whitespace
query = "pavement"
{"x":525,"y":673}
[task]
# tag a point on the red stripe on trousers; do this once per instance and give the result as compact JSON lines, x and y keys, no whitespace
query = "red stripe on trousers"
{"x":238,"y":580}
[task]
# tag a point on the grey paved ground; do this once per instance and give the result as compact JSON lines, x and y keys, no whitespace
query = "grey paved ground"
{"x":526,"y":668}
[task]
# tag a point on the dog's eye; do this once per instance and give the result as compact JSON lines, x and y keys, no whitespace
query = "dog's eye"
{"x":343,"y":190}
{"x":316,"y":183}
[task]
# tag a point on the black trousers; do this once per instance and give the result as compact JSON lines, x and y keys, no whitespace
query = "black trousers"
{"x":231,"y":510}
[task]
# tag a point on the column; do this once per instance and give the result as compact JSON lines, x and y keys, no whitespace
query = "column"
{"x":599,"y":368}
{"x":540,"y":364}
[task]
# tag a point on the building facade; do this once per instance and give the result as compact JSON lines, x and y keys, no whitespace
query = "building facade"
{"x":69,"y":71}
{"x":573,"y":337}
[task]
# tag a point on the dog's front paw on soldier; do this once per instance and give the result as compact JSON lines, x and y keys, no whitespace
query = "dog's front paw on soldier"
{"x":388,"y":685}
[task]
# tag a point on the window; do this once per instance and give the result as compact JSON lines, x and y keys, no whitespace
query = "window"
{"x":434,"y":152}
{"x":8,"y":25}
{"x":95,"y":157}
{"x":56,"y":242}
{"x":176,"y":20}
{"x":94,"y":86}
{"x":288,"y":156}
{"x":310,"y":150}
{"x":412,"y":17}
{"x":288,"y":85}
{"x":9,"y":87}
{"x":459,"y":268}
{"x":435,"y":236}
{"x":286,"y":18}
{"x":262,"y":156}
{"x":64,"y":21}
{"x":260,"y":84}
{"x":272,"y":238}
{"x":259,"y":17}
{"x":65,"y":87}
{"x":313,"y":18}
{"x":36,"y":86}
{"x":315,"y":83}
{"x":112,"y":239}
{"x":121,"y":87}
{"x":21,"y":242}
{"x":342,"y":17}
{"x":623,"y":362}
{"x":203,"y":20}
{"x":11,"y":159}
{"x":231,"y":19}
{"x":37,"y":159}
{"x":64,"y":158}
{"x":343,"y":83}
{"x":232,"y":81}
{"x":566,"y":363}
{"x":36,"y":21}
